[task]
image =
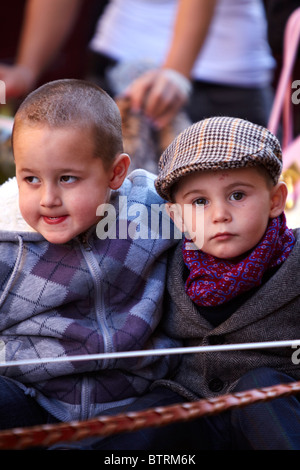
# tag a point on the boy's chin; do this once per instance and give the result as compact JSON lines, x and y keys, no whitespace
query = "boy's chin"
{"x":57,"y":239}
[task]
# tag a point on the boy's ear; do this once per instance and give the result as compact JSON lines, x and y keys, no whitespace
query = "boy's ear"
{"x":175,"y":213}
{"x":278,"y":199}
{"x":119,"y":170}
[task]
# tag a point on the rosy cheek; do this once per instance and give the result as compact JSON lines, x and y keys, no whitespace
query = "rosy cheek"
{"x":27,"y":206}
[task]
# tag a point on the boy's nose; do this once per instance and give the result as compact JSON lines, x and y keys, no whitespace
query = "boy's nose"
{"x":221,"y":213}
{"x":50,"y":197}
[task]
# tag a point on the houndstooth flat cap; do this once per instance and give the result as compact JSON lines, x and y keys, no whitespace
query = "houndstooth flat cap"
{"x":218,"y":143}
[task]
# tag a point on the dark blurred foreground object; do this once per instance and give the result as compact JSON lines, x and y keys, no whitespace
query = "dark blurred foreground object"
{"x":278,"y":12}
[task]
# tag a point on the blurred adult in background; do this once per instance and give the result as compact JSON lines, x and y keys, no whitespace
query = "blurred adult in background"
{"x":220,"y":45}
{"x":26,"y":60}
{"x":211,"y":57}
{"x":216,"y":42}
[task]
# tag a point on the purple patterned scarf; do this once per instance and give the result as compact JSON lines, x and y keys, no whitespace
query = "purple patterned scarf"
{"x":214,"y":281}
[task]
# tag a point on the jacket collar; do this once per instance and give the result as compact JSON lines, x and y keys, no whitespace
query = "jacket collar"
{"x":282,"y":288}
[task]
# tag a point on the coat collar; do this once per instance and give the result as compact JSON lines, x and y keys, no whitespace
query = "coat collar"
{"x":282,"y":288}
{"x":264,"y":301}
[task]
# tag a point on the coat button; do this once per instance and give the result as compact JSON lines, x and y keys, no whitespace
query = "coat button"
{"x":215,"y":385}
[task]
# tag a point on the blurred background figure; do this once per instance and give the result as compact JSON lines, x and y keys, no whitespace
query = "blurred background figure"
{"x":278,"y":13}
{"x":44,"y":40}
{"x":26,"y":61}
{"x":166,"y":62}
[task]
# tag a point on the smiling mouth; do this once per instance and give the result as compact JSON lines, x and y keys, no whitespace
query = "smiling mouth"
{"x":54,"y":220}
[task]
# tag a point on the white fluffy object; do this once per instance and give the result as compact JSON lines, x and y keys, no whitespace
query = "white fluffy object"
{"x":10,"y":216}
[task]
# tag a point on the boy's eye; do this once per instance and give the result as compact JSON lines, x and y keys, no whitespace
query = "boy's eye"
{"x":68,"y":179}
{"x":32,"y":179}
{"x":201,"y":201}
{"x":237,"y":196}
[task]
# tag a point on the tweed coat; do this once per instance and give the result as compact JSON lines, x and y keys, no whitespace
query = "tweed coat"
{"x":272,"y":313}
{"x":87,"y":296}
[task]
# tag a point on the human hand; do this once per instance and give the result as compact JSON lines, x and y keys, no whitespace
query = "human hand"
{"x":18,"y":80}
{"x":159,"y":94}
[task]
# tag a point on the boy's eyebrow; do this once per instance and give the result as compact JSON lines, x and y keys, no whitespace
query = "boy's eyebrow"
{"x":229,"y":186}
{"x":61,"y":170}
{"x":26,"y":170}
{"x":240,"y":183}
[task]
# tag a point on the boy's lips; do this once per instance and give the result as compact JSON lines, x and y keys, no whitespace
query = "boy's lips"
{"x":54,"y":220}
{"x":222,"y":236}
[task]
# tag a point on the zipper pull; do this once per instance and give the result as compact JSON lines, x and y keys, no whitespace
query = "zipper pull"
{"x":84,"y":240}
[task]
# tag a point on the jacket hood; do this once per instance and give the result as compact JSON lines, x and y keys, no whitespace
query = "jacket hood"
{"x":11,"y":220}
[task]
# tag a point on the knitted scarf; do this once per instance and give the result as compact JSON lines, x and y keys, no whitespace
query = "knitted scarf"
{"x":214,"y":281}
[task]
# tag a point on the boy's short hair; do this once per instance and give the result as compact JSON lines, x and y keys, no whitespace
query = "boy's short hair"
{"x":218,"y":143}
{"x":75,"y":103}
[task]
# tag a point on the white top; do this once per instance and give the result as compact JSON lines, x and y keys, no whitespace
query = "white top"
{"x":235,"y":52}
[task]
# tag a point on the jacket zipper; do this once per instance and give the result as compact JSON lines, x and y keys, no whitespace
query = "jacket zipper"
{"x":99,"y":306}
{"x":95,"y":272}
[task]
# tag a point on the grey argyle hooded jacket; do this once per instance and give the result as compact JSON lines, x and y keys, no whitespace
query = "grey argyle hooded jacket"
{"x":87,"y":296}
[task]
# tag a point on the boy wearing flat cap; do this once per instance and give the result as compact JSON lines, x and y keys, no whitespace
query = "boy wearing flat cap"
{"x":239,"y":282}
{"x":242,"y":285}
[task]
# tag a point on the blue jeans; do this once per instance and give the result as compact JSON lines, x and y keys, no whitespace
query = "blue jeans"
{"x":18,"y":409}
{"x":273,"y":425}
